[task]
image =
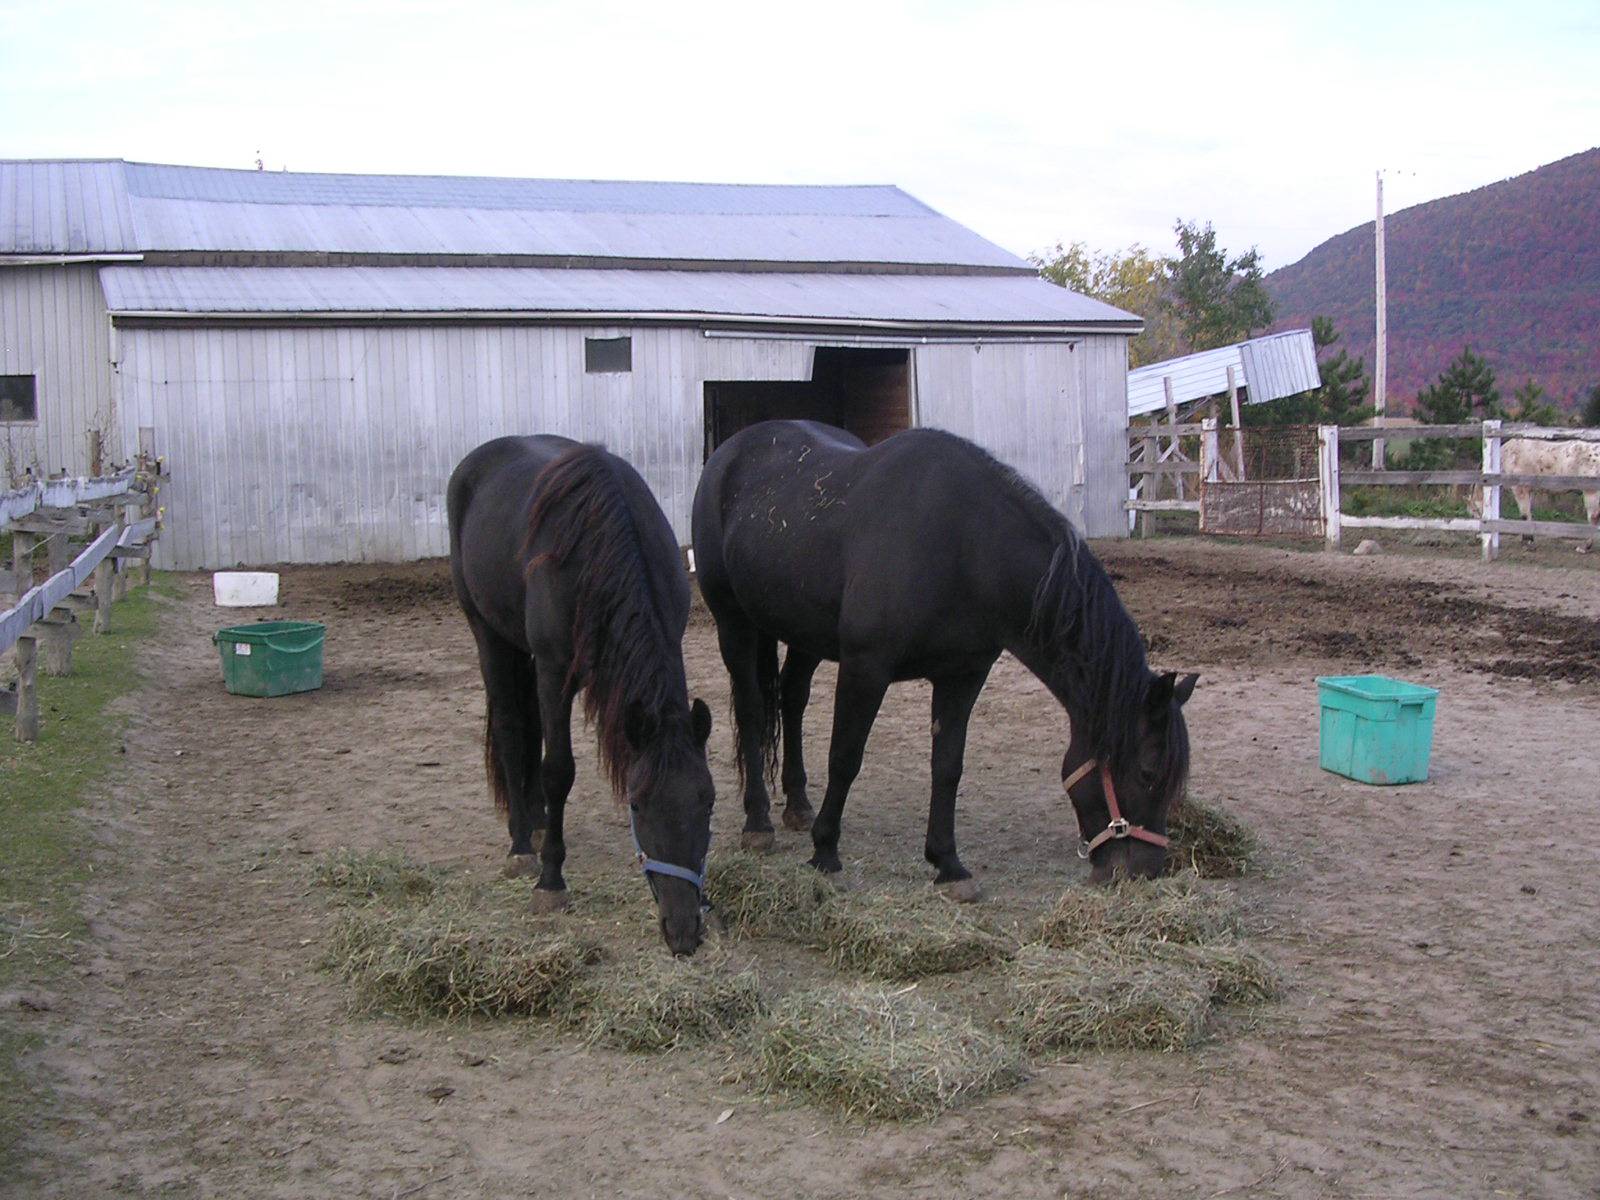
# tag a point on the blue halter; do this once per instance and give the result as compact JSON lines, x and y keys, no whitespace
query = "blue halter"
{"x":654,"y":866}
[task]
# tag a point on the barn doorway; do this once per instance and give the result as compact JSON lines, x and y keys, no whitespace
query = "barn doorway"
{"x":867,"y":391}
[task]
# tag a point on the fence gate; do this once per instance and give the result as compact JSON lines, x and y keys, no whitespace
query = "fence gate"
{"x":1262,"y":482}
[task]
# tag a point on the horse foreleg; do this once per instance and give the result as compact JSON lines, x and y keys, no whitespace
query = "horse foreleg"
{"x":794,"y":684}
{"x":1591,"y":508}
{"x":857,"y":698}
{"x":1525,"y":507}
{"x":556,"y":774}
{"x":512,"y":742}
{"x":953,"y":699}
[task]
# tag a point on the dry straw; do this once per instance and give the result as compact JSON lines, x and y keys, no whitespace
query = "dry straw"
{"x":371,"y":875}
{"x":873,"y":1053}
{"x":450,"y":959}
{"x":1105,"y":1000}
{"x":906,"y":937}
{"x":1210,"y":842}
{"x":1176,"y":909}
{"x":767,"y":895}
{"x":1238,"y":974}
{"x":651,"y":1002}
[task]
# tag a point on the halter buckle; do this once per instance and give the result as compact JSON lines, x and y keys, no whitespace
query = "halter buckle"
{"x":1083,"y":847}
{"x":1119,"y":828}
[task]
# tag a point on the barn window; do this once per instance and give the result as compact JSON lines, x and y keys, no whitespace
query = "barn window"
{"x":608,"y":354}
{"x":19,"y":398}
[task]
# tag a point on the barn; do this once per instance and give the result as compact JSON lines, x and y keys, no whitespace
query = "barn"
{"x":312,"y":353}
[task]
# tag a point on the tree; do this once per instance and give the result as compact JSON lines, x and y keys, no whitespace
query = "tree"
{"x":1591,"y":409}
{"x":1217,"y":300}
{"x":1532,"y":406}
{"x":1133,"y":280}
{"x":1464,"y":392}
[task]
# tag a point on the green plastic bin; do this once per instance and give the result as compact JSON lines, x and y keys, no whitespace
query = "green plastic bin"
{"x":1376,"y":729}
{"x":271,"y":658}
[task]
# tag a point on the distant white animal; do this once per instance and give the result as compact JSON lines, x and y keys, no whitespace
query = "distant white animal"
{"x":1534,"y":456}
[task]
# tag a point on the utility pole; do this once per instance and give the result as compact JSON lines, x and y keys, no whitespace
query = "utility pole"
{"x":1380,"y":380}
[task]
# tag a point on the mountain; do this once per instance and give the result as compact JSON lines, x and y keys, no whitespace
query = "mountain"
{"x":1511,"y":269}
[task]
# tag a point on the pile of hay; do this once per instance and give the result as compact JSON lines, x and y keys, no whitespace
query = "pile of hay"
{"x":451,"y":959}
{"x":1208,"y":841}
{"x":1106,"y":1000}
{"x":906,"y":937}
{"x":884,"y":1055}
{"x":1237,"y":974}
{"x":366,"y":876}
{"x":652,"y":1002}
{"x":767,"y":895}
{"x":1175,"y":909}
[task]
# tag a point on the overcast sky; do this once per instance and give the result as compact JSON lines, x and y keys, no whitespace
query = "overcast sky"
{"x":1029,"y":122}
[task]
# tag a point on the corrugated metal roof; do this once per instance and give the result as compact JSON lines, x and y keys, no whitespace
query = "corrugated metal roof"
{"x":111,"y":206}
{"x":930,"y":299}
{"x":1280,"y":364}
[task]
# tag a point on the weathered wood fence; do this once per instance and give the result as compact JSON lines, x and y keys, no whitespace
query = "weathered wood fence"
{"x":120,"y":515}
{"x":1488,"y":524}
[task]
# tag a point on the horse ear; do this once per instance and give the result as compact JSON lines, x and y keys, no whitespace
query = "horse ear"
{"x":700,"y":722}
{"x":1159,"y":696}
{"x":1185,"y":688}
{"x":638,"y":725}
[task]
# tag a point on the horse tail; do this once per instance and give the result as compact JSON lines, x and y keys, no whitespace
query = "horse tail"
{"x":767,"y":676}
{"x":491,"y":759}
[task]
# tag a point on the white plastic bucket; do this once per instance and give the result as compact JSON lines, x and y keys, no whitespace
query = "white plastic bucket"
{"x":245,"y":589}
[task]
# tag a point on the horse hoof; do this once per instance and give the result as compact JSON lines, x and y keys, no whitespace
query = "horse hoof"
{"x":798,"y":817}
{"x":550,"y":900}
{"x":757,"y":840}
{"x":518,"y":865}
{"x":960,"y":891}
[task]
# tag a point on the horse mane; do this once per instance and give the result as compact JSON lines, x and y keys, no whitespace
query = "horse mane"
{"x":623,"y":654}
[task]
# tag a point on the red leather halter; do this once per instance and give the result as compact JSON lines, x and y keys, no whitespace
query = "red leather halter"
{"x":1119,"y":827}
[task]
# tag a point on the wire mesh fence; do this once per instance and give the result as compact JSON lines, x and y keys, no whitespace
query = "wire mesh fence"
{"x":1267,"y":484}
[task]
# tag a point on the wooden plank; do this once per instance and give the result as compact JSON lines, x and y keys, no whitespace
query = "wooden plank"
{"x":1447,"y":524}
{"x":1365,"y":433}
{"x":1165,"y":469}
{"x":1163,"y":506}
{"x":1183,"y":429}
{"x":1556,"y":529}
{"x":27,"y":690}
{"x":14,"y":583}
{"x":1489,"y":507}
{"x":1548,"y":483}
{"x":1328,"y":484}
{"x":49,"y":522}
{"x":131,"y":552}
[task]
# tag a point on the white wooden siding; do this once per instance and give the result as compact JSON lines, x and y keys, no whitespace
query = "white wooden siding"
{"x":53,"y":325}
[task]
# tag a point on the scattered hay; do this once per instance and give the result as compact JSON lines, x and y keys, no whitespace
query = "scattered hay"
{"x":1071,"y":1000}
{"x":1171,"y":910}
{"x":371,"y":875}
{"x":906,"y":937}
{"x":1238,"y":974}
{"x":767,"y":895}
{"x":1212,"y":843}
{"x":653,"y":1002}
{"x":878,"y":1054}
{"x":448,"y":960}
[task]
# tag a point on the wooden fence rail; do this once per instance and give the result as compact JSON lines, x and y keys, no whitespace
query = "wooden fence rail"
{"x":44,"y":515}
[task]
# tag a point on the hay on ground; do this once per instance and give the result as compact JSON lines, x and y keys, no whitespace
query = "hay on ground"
{"x":1238,"y":974}
{"x":1078,"y":1000}
{"x":1208,"y":841}
{"x":759,"y":895}
{"x":1175,"y":909}
{"x":873,"y":1053}
{"x":654,"y":1002}
{"x":370,"y":875}
{"x":906,"y":937}
{"x":448,"y":959}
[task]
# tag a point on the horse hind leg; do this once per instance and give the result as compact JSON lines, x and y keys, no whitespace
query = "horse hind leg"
{"x":794,"y":684}
{"x":1525,"y":507}
{"x":743,"y":648}
{"x":1591,"y":509}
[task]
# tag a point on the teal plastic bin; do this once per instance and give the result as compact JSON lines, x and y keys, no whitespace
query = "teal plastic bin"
{"x":1376,"y":729}
{"x":271,"y":658}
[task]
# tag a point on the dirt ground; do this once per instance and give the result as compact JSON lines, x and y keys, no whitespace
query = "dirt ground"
{"x":1441,"y":1036}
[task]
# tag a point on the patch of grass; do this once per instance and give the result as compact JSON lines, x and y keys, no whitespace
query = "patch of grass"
{"x":883,"y":1055}
{"x":366,"y":876}
{"x":1209,"y":841}
{"x":1175,"y":909}
{"x":906,"y":937}
{"x":41,"y":788}
{"x":651,"y":1002}
{"x":768,"y":895}
{"x":450,"y":958}
{"x":1103,"y":999}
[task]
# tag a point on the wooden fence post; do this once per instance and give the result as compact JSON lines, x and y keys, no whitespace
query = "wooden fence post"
{"x":1152,"y":483}
{"x":102,"y":585}
{"x":1490,"y":539}
{"x":1210,"y":456}
{"x":1172,"y":425}
{"x":27,"y":689}
{"x":22,"y":545}
{"x":1328,"y":482}
{"x":1238,"y":436}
